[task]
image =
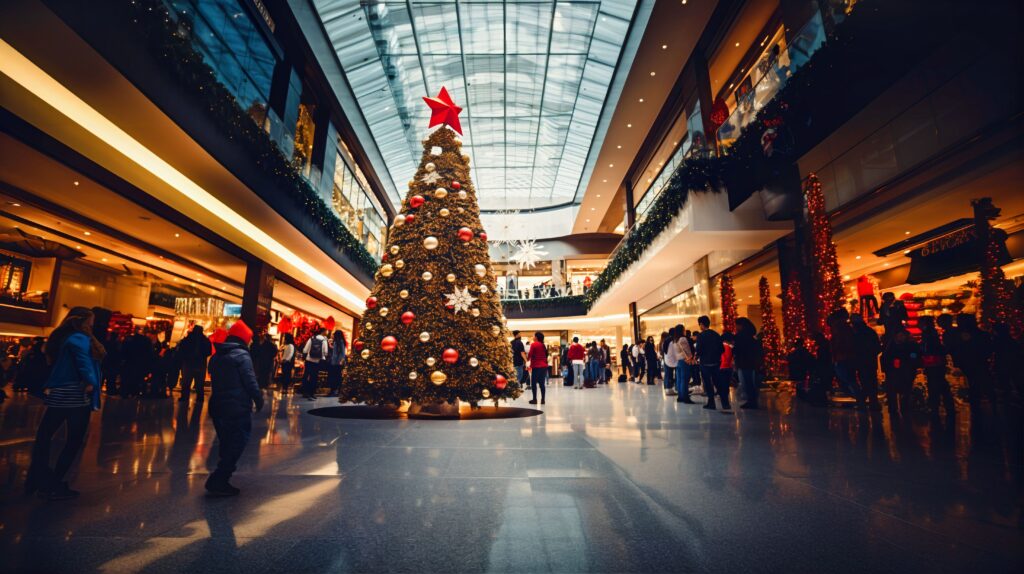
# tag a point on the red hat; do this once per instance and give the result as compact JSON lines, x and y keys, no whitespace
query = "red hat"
{"x":241,"y":330}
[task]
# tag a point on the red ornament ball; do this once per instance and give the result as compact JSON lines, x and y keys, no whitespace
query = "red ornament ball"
{"x":500,"y":382}
{"x":408,"y":317}
{"x":483,"y":236}
{"x":465,"y":234}
{"x":450,"y":355}
{"x":371,"y":302}
{"x":388,"y":343}
{"x":409,"y":218}
{"x":415,"y":202}
{"x":384,"y":257}
{"x":456,"y":185}
{"x":358,"y":345}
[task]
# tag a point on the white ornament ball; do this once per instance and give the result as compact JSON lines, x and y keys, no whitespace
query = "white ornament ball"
{"x":413,"y":375}
{"x":462,"y":194}
{"x":430,"y":242}
{"x":483,"y":288}
{"x":404,"y":294}
{"x":430,"y":166}
{"x":450,"y":277}
{"x":473,"y":362}
{"x":480,"y":269}
{"x":444,"y":212}
{"x":427,"y":276}
{"x":474,"y":312}
{"x":424,"y":336}
{"x":365,"y":353}
{"x":431,"y":361}
{"x":399,"y":220}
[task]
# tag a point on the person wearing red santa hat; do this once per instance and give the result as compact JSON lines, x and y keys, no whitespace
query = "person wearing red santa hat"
{"x":235,"y":393}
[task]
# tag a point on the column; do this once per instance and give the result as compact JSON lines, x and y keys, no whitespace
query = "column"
{"x":630,"y":205}
{"x":257,"y":295}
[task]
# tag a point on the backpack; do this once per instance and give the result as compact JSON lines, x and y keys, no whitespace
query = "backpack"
{"x":316,"y":349}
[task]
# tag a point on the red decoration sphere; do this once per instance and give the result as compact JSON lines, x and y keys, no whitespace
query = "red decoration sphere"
{"x":358,"y":345}
{"x":500,"y":382}
{"x":450,"y":355}
{"x":409,"y":218}
{"x":388,"y":343}
{"x":408,"y":317}
{"x":371,"y":302}
{"x":483,"y":236}
{"x":465,"y":234}
{"x":384,"y":257}
{"x":456,"y":185}
{"x":415,"y":202}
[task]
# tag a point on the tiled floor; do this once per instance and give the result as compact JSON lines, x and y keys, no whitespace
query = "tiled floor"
{"x":615,"y":479}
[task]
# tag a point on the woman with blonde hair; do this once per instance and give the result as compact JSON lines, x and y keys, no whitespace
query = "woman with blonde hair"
{"x":72,"y":393}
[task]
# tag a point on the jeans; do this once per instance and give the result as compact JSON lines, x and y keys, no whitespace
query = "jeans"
{"x":683,"y":375}
{"x":521,"y":374}
{"x":310,"y":378}
{"x":233,"y":434}
{"x":748,"y":380}
{"x":193,"y":375}
{"x":845,"y":372}
{"x":577,"y":375}
{"x":77,"y":419}
{"x":538,"y":378}
{"x":669,"y":378}
{"x":716,"y":381}
{"x":286,"y":375}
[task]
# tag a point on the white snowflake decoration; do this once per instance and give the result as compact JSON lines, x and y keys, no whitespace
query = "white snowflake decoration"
{"x":436,"y":150}
{"x":528,"y":253}
{"x":506,"y":221}
{"x":460,"y":300}
{"x":431,"y":178}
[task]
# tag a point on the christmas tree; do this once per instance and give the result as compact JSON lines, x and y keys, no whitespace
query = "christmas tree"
{"x":728,"y":298}
{"x":828,"y":285}
{"x":794,"y":322}
{"x":773,"y":354}
{"x":433,"y":330}
{"x":997,"y":304}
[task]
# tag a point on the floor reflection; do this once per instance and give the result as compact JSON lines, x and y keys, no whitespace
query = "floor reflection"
{"x":610,"y":479}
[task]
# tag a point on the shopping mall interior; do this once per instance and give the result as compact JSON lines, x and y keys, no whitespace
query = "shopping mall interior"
{"x":511,"y":286}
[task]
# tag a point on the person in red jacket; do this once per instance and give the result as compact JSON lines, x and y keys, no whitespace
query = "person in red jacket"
{"x":577,"y":356}
{"x":537,"y":361}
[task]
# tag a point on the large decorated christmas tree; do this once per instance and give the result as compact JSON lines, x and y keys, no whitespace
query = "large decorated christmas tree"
{"x":433,"y":330}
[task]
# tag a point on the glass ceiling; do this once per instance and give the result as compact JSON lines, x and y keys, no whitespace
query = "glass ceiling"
{"x":533,"y":77}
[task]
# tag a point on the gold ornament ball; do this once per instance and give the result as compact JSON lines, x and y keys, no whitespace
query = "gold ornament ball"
{"x":438,"y":378}
{"x":440,"y":193}
{"x":399,"y":220}
{"x":430,"y":242}
{"x":413,"y":375}
{"x":427,"y":275}
{"x":424,"y":336}
{"x":474,"y":312}
{"x":483,"y":288}
{"x":399,"y":264}
{"x":430,"y":166}
{"x":431,"y":361}
{"x":365,"y":354}
{"x":412,"y":183}
{"x":473,"y":362}
{"x":394,"y":250}
{"x":462,"y":194}
{"x":387,"y":270}
{"x":485,"y":393}
{"x":368,"y":325}
{"x":404,"y":294}
{"x":370,"y":381}
{"x":460,"y":210}
{"x":450,"y":277}
{"x":480,"y":270}
{"x":383,"y":311}
{"x":495,"y":330}
{"x":444,"y":212}
{"x":465,"y":158}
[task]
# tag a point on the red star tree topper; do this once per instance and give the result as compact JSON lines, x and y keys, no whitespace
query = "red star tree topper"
{"x":444,"y":111}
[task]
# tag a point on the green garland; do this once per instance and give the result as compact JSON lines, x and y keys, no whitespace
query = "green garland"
{"x":544,"y":302}
{"x":158,"y":31}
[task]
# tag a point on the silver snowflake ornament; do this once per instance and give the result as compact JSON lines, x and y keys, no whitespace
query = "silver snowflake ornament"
{"x":460,"y":300}
{"x":431,"y":178}
{"x":528,"y":253}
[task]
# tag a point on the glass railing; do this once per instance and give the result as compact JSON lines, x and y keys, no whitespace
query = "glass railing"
{"x":776,"y":68}
{"x":513,"y":293}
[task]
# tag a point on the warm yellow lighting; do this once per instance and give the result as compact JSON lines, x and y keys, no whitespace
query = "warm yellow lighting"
{"x":25,"y":73}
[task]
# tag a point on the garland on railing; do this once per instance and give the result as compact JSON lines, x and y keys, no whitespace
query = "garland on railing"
{"x":544,"y":302}
{"x":168,"y":42}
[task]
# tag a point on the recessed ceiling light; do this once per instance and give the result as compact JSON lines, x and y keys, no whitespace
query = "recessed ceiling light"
{"x":684,"y":2}
{"x":886,"y":264}
{"x":641,"y":100}
{"x":604,"y":181}
{"x":858,"y":257}
{"x":103,"y":259}
{"x":846,"y":277}
{"x":15,"y":205}
{"x":592,"y":209}
{"x":588,"y":221}
{"x":88,"y":233}
{"x":650,"y":179}
{"x":906,"y":233}
{"x":611,"y":165}
{"x":629,"y":125}
{"x":599,"y":195}
{"x":664,"y":46}
{"x":731,"y":85}
{"x":75,"y":182}
{"x":177,"y":235}
{"x":906,"y":251}
{"x":652,"y":73}
{"x":776,"y":284}
{"x":737,"y":44}
{"x":78,"y":247}
{"x":618,"y":147}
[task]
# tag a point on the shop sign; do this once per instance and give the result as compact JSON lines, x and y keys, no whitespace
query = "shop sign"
{"x":950,"y":255}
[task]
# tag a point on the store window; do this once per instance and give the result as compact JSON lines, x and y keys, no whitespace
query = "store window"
{"x":760,"y":82}
{"x":351,"y":201}
{"x":233,"y":46}
{"x":305,"y":131}
{"x":693,"y":143}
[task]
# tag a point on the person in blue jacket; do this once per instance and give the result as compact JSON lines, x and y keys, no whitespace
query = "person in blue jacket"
{"x":72,"y":394}
{"x":235,"y":393}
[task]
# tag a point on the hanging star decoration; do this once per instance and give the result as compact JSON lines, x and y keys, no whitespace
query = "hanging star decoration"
{"x":504,"y":226}
{"x":528,"y":253}
{"x":443,"y":111}
{"x":460,"y":300}
{"x":431,"y":178}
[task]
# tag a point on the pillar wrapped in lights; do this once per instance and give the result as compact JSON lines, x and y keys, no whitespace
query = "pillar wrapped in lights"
{"x":770,"y":341}
{"x":794,"y":314}
{"x":826,"y":281}
{"x":728,"y":298}
{"x":997,"y":301}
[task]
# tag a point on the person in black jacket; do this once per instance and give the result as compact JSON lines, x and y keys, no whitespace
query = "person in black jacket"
{"x":193,"y":351}
{"x":866,"y":348}
{"x":709,"y":351}
{"x":972,"y":354}
{"x":651,"y":356}
{"x":747,"y":356}
{"x":901,"y":359}
{"x":234,"y":394}
{"x":933,"y":362}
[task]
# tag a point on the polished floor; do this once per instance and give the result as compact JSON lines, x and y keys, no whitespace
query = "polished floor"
{"x":614,"y":479}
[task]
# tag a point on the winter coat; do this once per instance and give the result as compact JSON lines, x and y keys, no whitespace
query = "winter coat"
{"x":233,"y":379}
{"x":75,"y":366}
{"x":709,"y":348}
{"x":194,"y":349}
{"x":866,"y":346}
{"x":746,"y":351}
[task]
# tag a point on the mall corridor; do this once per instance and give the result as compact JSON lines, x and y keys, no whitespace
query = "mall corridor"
{"x":613,"y":479}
